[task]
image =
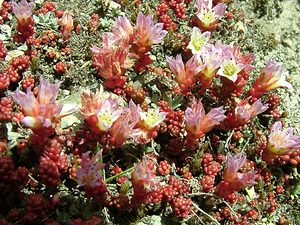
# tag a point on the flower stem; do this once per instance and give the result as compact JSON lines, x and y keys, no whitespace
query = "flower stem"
{"x":110,"y":179}
{"x":206,"y":214}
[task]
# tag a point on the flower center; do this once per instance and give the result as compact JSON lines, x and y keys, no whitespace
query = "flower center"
{"x":280,"y":139}
{"x":198,"y":43}
{"x":230,"y":68}
{"x":152,"y":118}
{"x":105,"y":119}
{"x":208,"y":17}
{"x":87,"y":179}
{"x":278,"y":143}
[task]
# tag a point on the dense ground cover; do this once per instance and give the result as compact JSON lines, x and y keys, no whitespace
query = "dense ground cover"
{"x":149,"y":112}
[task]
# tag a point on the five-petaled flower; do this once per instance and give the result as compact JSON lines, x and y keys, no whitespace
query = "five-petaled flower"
{"x":198,"y":124}
{"x":22,"y":11}
{"x":185,"y":75}
{"x":147,"y":32}
{"x":230,"y":69}
{"x":89,"y":171}
{"x":66,"y":23}
{"x":280,"y":142}
{"x":243,"y":113}
{"x":245,"y":61}
{"x":147,"y":123}
{"x":43,"y":110}
{"x":198,"y":40}
{"x":98,"y":111}
{"x":232,"y":179}
{"x":152,"y":118}
{"x":208,"y":16}
{"x":272,"y":76}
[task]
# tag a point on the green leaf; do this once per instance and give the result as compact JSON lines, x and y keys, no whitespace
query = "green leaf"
{"x":105,"y":23}
{"x":167,"y":98}
{"x":153,"y":220}
{"x":12,"y":136}
{"x":296,"y":190}
{"x":251,"y":192}
{"x":47,"y":21}
{"x":68,"y":121}
{"x":173,"y":102}
{"x":3,"y":37}
{"x":12,"y":54}
{"x":6,"y":29}
{"x":176,"y":101}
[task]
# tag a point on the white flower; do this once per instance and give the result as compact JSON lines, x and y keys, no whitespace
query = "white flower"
{"x":230,"y":69}
{"x":198,"y":40}
{"x":152,"y":118}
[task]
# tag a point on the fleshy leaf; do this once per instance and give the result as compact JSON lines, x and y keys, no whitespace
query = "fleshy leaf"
{"x":68,"y":121}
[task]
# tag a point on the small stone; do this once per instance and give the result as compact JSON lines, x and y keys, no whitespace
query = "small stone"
{"x":287,"y":43}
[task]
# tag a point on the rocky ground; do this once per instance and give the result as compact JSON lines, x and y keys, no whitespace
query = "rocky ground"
{"x":271,"y":29}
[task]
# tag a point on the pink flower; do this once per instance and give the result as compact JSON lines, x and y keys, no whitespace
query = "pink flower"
{"x":108,"y":40}
{"x":231,"y":175}
{"x":124,"y":43}
{"x":100,"y":113}
{"x":90,"y":102}
{"x":208,"y":16}
{"x":143,"y":176}
{"x":88,"y":173}
{"x":233,"y":164}
{"x":257,"y":108}
{"x":122,"y":30}
{"x":111,"y":62}
{"x":123,"y":128}
{"x":198,"y":124}
{"x":246,"y":60}
{"x":66,"y":23}
{"x":134,"y":112}
{"x":44,"y":110}
{"x":152,"y":118}
{"x":141,"y":36}
{"x":280,"y":142}
{"x":232,"y":179}
{"x":147,"y":32}
{"x":22,"y":10}
{"x":144,"y":182}
{"x":272,"y":76}
{"x":236,"y":87}
{"x":232,"y":64}
{"x":146,"y":122}
{"x":243,"y":113}
{"x":211,"y":59}
{"x":185,"y":75}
